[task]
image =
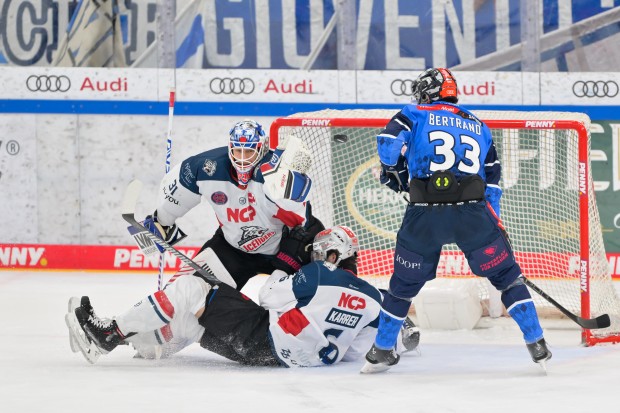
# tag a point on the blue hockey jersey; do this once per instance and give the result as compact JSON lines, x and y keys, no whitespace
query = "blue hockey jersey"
{"x":442,"y":136}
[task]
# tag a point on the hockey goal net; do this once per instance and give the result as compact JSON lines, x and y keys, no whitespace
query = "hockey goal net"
{"x":548,"y":206}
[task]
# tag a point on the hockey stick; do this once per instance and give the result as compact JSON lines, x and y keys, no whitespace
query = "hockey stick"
{"x":129,"y":203}
{"x":601,"y":321}
{"x":162,"y":261}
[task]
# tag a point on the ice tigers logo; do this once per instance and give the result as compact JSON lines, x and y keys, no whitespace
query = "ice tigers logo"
{"x":253,"y":237}
{"x":209,"y":167}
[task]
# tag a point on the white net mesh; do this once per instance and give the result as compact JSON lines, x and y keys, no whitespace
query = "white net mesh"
{"x":539,"y":208}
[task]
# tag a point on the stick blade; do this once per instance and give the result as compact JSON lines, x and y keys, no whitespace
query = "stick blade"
{"x":602,"y":321}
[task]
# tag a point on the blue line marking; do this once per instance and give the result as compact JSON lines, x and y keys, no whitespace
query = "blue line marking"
{"x":114,"y":107}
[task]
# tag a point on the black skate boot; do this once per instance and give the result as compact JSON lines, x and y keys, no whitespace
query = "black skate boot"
{"x":104,"y":333}
{"x":411,"y":335}
{"x":378,"y":360}
{"x":539,"y":351}
{"x":76,"y":302}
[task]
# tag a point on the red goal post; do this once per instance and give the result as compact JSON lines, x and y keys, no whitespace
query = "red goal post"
{"x":548,"y":206}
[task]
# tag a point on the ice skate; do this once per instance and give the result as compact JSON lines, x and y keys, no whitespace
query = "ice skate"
{"x":75,"y":302}
{"x":540,"y":353}
{"x":79,"y":340}
{"x":378,"y":360}
{"x":411,"y":336}
{"x":103,"y":332}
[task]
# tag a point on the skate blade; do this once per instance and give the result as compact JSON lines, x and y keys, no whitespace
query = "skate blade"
{"x":370,"y":368}
{"x":89,"y":350}
{"x":543,"y":366}
{"x":74,"y":302}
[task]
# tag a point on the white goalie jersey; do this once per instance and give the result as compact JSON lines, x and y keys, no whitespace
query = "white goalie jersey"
{"x":250,"y":220}
{"x":320,"y":315}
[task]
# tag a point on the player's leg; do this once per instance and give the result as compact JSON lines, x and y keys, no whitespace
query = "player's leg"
{"x":488,"y":251}
{"x":186,"y":295}
{"x":237,"y":328}
{"x":418,"y":246}
{"x":232,"y":266}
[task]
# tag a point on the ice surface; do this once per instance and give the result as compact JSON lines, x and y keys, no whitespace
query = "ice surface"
{"x":484,"y":370}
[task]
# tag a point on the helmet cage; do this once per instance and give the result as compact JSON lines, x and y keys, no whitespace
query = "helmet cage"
{"x":247,"y":145}
{"x":340,"y":239}
{"x":433,"y":85}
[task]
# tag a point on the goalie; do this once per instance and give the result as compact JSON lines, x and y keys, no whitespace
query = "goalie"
{"x":255,"y":213}
{"x":321,"y":315}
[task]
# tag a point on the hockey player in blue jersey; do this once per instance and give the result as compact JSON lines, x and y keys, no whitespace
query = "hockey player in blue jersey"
{"x":318,"y":316}
{"x":451,"y":170}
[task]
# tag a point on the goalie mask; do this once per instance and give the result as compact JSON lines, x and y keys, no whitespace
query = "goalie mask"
{"x":340,"y":239}
{"x":247,"y":145}
{"x":433,"y":85}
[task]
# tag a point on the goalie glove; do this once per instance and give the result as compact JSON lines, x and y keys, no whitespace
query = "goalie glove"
{"x":285,"y":174}
{"x":395,"y":177}
{"x":171,"y":234}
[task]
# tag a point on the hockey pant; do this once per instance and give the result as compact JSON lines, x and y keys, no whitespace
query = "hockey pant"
{"x":237,"y":328}
{"x":477,"y":231}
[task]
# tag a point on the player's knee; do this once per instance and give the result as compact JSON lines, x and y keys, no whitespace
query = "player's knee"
{"x":515,"y":293}
{"x":188,"y":293}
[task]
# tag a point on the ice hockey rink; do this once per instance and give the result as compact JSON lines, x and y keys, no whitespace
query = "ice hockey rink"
{"x":486,"y":369}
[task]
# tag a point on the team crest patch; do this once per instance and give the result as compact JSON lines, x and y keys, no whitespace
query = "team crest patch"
{"x":219,"y":198}
{"x":209,"y":167}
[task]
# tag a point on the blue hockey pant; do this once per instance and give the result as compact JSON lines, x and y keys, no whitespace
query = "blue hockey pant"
{"x":475,"y":229}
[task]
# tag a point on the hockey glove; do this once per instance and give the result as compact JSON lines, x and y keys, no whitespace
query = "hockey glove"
{"x":171,"y":234}
{"x":395,"y":177}
{"x":295,"y":246}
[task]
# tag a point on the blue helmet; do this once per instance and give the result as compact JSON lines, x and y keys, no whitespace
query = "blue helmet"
{"x":247,"y":145}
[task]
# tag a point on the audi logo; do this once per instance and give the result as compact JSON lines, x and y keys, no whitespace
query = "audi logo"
{"x":595,"y":88}
{"x":46,"y":83}
{"x":402,"y":87}
{"x":231,"y":86}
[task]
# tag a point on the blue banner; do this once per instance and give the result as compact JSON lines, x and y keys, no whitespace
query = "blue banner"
{"x":281,"y":34}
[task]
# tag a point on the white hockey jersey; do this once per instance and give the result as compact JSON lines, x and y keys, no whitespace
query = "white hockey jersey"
{"x":250,"y":220}
{"x":320,"y":315}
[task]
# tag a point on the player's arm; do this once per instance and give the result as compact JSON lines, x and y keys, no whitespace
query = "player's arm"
{"x":390,"y":142}
{"x":277,"y":292}
{"x":493,"y":173}
{"x":178,"y":194}
{"x":392,"y":138}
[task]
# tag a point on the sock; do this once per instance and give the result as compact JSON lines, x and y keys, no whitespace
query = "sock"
{"x":524,"y":313}
{"x":152,"y":313}
{"x":389,"y":327}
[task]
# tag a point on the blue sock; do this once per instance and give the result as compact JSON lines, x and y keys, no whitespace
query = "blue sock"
{"x":389,"y":326}
{"x":524,"y":313}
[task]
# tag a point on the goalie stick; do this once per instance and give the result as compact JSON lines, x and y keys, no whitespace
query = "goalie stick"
{"x":601,"y":321}
{"x":129,"y":203}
